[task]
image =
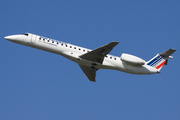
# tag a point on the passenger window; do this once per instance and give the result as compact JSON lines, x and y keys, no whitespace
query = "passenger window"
{"x":70,"y":46}
{"x":43,"y":39}
{"x":39,"y":38}
{"x":84,"y":50}
{"x":110,"y":57}
{"x":52,"y":41}
{"x":57,"y":43}
{"x":66,"y":45}
{"x":62,"y":44}
{"x":114,"y":58}
{"x":79,"y":48}
{"x":74,"y":47}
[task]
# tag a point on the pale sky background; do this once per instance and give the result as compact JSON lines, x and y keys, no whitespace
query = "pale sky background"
{"x":37,"y":85}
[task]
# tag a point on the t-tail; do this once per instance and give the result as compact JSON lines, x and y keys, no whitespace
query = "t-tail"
{"x":160,"y":59}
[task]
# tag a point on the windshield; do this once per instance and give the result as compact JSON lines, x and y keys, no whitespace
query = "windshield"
{"x":26,"y":34}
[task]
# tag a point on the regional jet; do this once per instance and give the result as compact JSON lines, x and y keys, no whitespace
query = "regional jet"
{"x":92,"y":60}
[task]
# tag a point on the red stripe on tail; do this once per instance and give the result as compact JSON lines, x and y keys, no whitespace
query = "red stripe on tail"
{"x":159,"y":66}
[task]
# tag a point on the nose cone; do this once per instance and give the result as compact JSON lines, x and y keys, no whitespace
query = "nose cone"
{"x":11,"y":37}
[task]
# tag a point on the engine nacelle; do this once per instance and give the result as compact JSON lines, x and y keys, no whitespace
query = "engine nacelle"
{"x":131,"y":59}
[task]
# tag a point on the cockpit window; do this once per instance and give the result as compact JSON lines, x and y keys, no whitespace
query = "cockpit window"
{"x":26,"y":34}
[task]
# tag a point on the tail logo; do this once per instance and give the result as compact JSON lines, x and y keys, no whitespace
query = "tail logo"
{"x":158,"y":61}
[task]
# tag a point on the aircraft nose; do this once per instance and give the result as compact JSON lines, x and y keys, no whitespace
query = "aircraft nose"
{"x":11,"y":37}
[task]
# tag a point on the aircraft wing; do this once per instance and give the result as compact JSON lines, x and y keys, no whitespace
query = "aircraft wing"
{"x":90,"y":72}
{"x":98,"y":54}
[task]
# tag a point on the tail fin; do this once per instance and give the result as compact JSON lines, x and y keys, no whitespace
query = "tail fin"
{"x":160,"y":59}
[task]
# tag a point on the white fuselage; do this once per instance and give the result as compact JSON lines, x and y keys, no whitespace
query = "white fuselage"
{"x":73,"y":52}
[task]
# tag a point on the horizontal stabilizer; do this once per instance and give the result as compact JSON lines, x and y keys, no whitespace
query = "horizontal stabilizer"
{"x":167,"y":53}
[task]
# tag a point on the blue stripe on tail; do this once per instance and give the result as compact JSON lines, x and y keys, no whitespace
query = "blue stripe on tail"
{"x":155,"y":63}
{"x":156,"y":60}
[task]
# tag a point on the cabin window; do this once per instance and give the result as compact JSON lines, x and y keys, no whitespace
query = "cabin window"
{"x":110,"y":57}
{"x":84,"y":50}
{"x":70,"y":46}
{"x":39,"y":38}
{"x":57,"y":43}
{"x":43,"y":39}
{"x":62,"y":44}
{"x":74,"y":47}
{"x":48,"y":40}
{"x":66,"y":45}
{"x":52,"y":41}
{"x":114,"y":58}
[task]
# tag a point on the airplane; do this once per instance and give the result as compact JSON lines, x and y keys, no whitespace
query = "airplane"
{"x":92,"y":60}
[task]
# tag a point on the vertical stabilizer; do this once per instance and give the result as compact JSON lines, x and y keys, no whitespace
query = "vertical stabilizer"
{"x":160,"y":59}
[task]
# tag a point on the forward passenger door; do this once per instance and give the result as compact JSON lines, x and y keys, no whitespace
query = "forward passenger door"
{"x":33,"y":39}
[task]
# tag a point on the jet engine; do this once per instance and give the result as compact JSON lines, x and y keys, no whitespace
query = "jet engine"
{"x":131,"y":59}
